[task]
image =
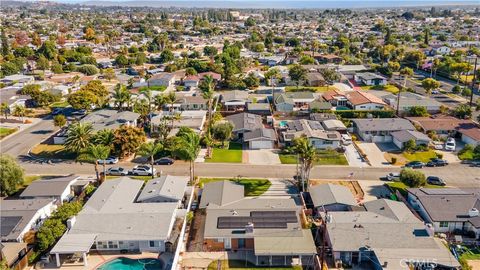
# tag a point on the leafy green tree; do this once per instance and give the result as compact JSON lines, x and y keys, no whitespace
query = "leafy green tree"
{"x":412,"y":178}
{"x":5,"y":109}
{"x":210,"y":51}
{"x":9,"y":68}
{"x":222,"y":132}
{"x":19,"y":111}
{"x":51,"y":230}
{"x":5,"y":44}
{"x":67,"y":210}
{"x":306,"y":60}
{"x":406,"y":72}
{"x":59,"y":120}
{"x":418,"y":111}
{"x":410,"y":145}
{"x":166,"y":56}
{"x":42,"y":63}
{"x":150,"y":150}
{"x":430,"y":84}
{"x":121,"y":60}
{"x":109,"y":74}
{"x":82,"y":100}
{"x":79,"y":137}
{"x":207,"y":86}
{"x":298,"y":74}
{"x":94,"y":153}
{"x":463,"y":111}
{"x":88,"y":69}
{"x":121,"y":96}
{"x":127,"y":140}
{"x":251,"y":81}
{"x":250,"y":22}
{"x":48,"y":50}
{"x":11,"y":175}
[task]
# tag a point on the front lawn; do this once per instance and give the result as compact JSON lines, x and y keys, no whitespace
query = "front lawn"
{"x":471,"y":254}
{"x":309,"y":88}
{"x":253,"y":186}
{"x":423,"y":156}
{"x":242,"y":265}
{"x":4,"y":132}
{"x":389,"y":88}
{"x":233,"y":154}
{"x":59,"y":104}
{"x":54,"y":151}
{"x":327,"y":157}
{"x":467,"y":155}
{"x":402,"y":188}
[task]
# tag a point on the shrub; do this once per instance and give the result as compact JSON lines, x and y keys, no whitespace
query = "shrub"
{"x":394,"y":160}
{"x":439,"y":155}
{"x":412,"y":178}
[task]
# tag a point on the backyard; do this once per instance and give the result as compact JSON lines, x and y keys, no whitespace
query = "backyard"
{"x":326,"y":157}
{"x":253,"y":186}
{"x":236,"y":264}
{"x":4,"y":132}
{"x":52,"y":151}
{"x":232,"y":154}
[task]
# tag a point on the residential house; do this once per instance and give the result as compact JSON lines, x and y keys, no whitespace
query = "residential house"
{"x":190,"y":103}
{"x":259,"y":108}
{"x":409,"y":100}
{"x":11,"y":95}
{"x":191,"y":81}
{"x":448,"y":209}
{"x":330,"y":197}
{"x":59,"y":189}
{"x":244,"y":123}
{"x":293,"y":101}
{"x":191,"y":119}
{"x":315,"y":79}
{"x":166,"y":188}
{"x":162,"y":79}
{"x":443,"y":126}
{"x":260,"y":138}
{"x":110,"y":119}
{"x":113,"y":220}
{"x":329,"y":59}
{"x":235,"y":100}
{"x":384,"y":234}
{"x":17,"y":78}
{"x":268,"y":230}
{"x":370,"y":79}
{"x":315,"y":133}
{"x":14,"y":255}
{"x":470,"y":135}
{"x":333,"y":125}
{"x":335,"y":97}
{"x":18,"y":217}
{"x":215,"y":76}
{"x":380,"y":129}
{"x":363,"y":101}
{"x":399,"y":138}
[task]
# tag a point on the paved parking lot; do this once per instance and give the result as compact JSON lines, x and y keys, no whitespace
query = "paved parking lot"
{"x":261,"y":157}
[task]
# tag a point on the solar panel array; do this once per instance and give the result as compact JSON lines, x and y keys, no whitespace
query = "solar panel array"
{"x":315,"y":125}
{"x":260,"y":219}
{"x":8,"y":224}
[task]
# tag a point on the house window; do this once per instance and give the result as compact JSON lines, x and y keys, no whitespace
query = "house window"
{"x":443,"y":224}
{"x":151,"y":243}
{"x":327,"y":142}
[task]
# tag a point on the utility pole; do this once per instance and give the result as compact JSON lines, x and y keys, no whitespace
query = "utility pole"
{"x":473,"y":81}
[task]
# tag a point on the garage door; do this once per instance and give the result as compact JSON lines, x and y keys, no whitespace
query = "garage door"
{"x":261,"y":144}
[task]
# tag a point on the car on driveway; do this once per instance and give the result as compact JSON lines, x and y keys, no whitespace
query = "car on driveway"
{"x":436,"y":162}
{"x":393,"y":176}
{"x":164,"y":161}
{"x":117,"y":171}
{"x":109,"y":160}
{"x":415,"y":165}
{"x":143,"y":170}
{"x":57,"y":111}
{"x":435,"y":92}
{"x":434,"y":180}
{"x":450,"y":144}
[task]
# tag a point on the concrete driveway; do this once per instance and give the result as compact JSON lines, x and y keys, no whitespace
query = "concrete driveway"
{"x":373,"y":190}
{"x":353,"y":157}
{"x":261,"y":157}
{"x":374,"y":154}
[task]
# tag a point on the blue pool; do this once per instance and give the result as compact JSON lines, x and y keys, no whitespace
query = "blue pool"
{"x":283,"y":123}
{"x":123,"y":263}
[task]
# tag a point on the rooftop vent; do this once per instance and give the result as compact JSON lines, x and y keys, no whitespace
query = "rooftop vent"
{"x":473,"y":212}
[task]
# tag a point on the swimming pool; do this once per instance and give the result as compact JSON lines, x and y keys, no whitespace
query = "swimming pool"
{"x":283,"y":123}
{"x":123,"y":263}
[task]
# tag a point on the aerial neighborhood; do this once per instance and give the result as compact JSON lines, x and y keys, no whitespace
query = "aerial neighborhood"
{"x":239,"y":137}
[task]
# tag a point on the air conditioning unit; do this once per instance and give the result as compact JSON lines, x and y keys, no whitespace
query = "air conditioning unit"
{"x":473,"y":212}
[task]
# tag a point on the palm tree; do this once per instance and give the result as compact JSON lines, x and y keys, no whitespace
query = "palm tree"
{"x":208,"y":92}
{"x":19,"y":111}
{"x":94,"y":153}
{"x":307,"y":155}
{"x":79,"y":137}
{"x":104,"y":137}
{"x":189,"y":146}
{"x":121,"y":96}
{"x":148,"y":94}
{"x":5,"y":109}
{"x":149,"y":150}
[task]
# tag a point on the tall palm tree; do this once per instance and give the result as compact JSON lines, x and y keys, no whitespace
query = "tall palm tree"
{"x":189,"y":146}
{"x":121,"y":96}
{"x":170,"y":98}
{"x":208,"y":92}
{"x":104,"y":137}
{"x":5,"y":109}
{"x":149,"y":150}
{"x":19,"y":111}
{"x":149,"y":96}
{"x":94,"y":153}
{"x":307,"y":155}
{"x":79,"y":137}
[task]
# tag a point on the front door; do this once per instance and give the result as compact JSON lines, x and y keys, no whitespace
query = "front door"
{"x":227,"y":243}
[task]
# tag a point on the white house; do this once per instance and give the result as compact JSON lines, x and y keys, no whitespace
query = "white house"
{"x":162,"y":79}
{"x":59,"y":189}
{"x":370,"y":79}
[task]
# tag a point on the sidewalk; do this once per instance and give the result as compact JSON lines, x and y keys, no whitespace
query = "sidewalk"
{"x":20,"y":127}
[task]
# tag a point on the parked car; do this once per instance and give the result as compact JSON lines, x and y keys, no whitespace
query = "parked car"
{"x":57,"y":111}
{"x":437,"y":145}
{"x":117,"y":171}
{"x":415,"y":165}
{"x":393,"y":176}
{"x":450,"y":145}
{"x":109,"y":160}
{"x":434,"y":180}
{"x":346,"y":139}
{"x":143,"y":170}
{"x":164,"y":161}
{"x":436,"y":162}
{"x":435,"y":92}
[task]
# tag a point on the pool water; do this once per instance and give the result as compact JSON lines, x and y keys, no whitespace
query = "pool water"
{"x":123,"y":263}
{"x":282,"y":123}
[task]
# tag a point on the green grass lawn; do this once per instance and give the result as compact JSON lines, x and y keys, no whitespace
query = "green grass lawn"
{"x":231,"y":155}
{"x":59,"y":104}
{"x":253,"y":186}
{"x":327,"y":157}
{"x":4,"y":132}
{"x":51,"y":151}
{"x":402,"y":188}
{"x":471,"y":254}
{"x":423,"y":156}
{"x":389,"y":88}
{"x":237,"y":265}
{"x":309,"y":88}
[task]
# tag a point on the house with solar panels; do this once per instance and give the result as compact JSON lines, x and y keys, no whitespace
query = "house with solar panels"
{"x":267,"y":230}
{"x":314,"y":131}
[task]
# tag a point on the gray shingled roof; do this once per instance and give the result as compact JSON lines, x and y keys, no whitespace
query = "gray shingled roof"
{"x":331,"y":194}
{"x":221,"y":193}
{"x":406,"y":135}
{"x":166,"y":187}
{"x":48,"y":187}
{"x":383,"y":124}
{"x":260,"y":133}
{"x":245,"y":121}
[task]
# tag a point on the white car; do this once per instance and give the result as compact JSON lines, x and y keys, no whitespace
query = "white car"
{"x":437,"y":145}
{"x":109,"y":160}
{"x":346,"y":139}
{"x":393,"y":176}
{"x":450,"y":144}
{"x":435,"y":92}
{"x":143,"y":170}
{"x":117,"y":171}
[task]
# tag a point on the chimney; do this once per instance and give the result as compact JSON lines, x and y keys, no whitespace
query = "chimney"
{"x":249,"y":228}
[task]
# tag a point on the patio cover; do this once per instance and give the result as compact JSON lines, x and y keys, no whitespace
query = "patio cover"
{"x":74,"y":243}
{"x":292,"y":243}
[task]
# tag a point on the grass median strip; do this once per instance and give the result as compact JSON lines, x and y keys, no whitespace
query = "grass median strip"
{"x":4,"y":132}
{"x":253,"y":186}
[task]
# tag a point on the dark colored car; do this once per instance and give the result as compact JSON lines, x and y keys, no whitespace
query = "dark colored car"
{"x":434,"y":180}
{"x":415,"y":165}
{"x":164,"y":161}
{"x":436,"y":162}
{"x":57,"y":111}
